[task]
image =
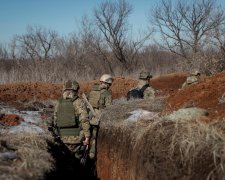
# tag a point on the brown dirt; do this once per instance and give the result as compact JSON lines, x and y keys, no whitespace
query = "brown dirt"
{"x":10,"y":119}
{"x":206,"y":94}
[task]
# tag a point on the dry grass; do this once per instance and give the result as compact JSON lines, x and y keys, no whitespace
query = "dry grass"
{"x":159,"y":149}
{"x":32,"y":160}
{"x":199,"y":142}
{"x":121,"y":108}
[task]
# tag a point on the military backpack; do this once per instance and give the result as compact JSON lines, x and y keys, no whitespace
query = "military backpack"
{"x":95,"y":96}
{"x":67,"y":122}
{"x":137,"y":93}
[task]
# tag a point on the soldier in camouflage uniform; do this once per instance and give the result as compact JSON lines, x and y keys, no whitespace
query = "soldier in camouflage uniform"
{"x":192,"y":79}
{"x":144,"y":78}
{"x":71,"y":119}
{"x":99,"y":97}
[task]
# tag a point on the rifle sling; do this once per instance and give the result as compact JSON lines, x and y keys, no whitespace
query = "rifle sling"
{"x":144,"y":87}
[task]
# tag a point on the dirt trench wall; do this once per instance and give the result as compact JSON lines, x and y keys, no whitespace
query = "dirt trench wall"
{"x":160,"y":150}
{"x":121,"y":157}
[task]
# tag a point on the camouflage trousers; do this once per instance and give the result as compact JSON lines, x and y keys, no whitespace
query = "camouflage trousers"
{"x":92,"y":151}
{"x":74,"y":144}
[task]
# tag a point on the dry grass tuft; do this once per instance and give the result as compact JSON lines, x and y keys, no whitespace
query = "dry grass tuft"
{"x":200,"y":145}
{"x":33,"y":160}
{"x":160,"y":149}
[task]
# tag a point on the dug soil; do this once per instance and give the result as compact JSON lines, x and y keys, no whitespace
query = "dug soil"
{"x":207,"y":94}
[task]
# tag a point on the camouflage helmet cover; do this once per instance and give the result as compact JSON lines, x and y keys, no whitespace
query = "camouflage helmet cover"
{"x":107,"y":78}
{"x":71,"y":85}
{"x":145,"y":75}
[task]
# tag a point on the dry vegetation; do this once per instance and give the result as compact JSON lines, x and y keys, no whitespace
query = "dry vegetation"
{"x":159,"y":148}
{"x":150,"y":147}
{"x":36,"y":63}
{"x":28,"y":156}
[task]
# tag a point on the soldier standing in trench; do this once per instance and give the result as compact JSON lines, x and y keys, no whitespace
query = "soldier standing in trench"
{"x":143,"y":90}
{"x":99,"y":97}
{"x":71,"y":119}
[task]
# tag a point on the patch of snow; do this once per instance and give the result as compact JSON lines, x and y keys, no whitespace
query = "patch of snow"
{"x":30,"y":124}
{"x":141,"y":114}
{"x":30,"y":116}
{"x":25,"y":127}
{"x":6,"y":156}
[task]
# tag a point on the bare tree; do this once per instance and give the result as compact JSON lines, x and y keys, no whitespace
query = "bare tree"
{"x":93,"y":43}
{"x":219,"y":35}
{"x":3,"y":52}
{"x":112,"y":20}
{"x":184,"y":25}
{"x":37,"y":43}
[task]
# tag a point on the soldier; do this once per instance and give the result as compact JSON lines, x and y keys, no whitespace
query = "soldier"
{"x":192,"y":79}
{"x":99,"y":97}
{"x":143,"y":90}
{"x":71,"y":119}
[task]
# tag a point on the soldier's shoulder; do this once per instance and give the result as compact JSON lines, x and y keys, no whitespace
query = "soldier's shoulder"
{"x":78,"y":100}
{"x":106,"y":92}
{"x":96,"y":87}
{"x":191,"y":79}
{"x":150,"y":88}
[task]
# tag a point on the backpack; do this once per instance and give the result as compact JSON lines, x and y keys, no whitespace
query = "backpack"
{"x":94,"y":96}
{"x":137,"y":93}
{"x":66,"y":113}
{"x":67,"y":122}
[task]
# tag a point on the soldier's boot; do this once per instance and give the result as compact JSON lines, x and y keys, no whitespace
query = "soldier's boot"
{"x":92,"y":150}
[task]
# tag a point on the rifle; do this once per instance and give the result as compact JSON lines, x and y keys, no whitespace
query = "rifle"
{"x":54,"y":129}
{"x":88,"y":104}
{"x":84,"y":157}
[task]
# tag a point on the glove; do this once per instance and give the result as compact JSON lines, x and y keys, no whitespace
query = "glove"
{"x":86,"y":141}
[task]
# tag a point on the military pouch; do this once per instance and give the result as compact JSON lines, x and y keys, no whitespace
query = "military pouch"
{"x":69,"y":131}
{"x":94,"y":121}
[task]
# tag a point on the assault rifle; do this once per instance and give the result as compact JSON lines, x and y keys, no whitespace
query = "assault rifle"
{"x":54,"y":129}
{"x":89,"y":105}
{"x":85,"y":155}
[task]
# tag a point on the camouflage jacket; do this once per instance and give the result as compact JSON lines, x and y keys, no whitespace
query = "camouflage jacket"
{"x":190,"y":80}
{"x":105,"y":100}
{"x":149,"y":91}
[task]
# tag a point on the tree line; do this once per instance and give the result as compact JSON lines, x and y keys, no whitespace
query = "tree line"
{"x":188,"y":34}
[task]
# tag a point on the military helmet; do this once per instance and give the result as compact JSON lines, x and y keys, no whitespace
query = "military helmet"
{"x":107,"y":78}
{"x":195,"y":73}
{"x":71,"y":85}
{"x":145,"y":75}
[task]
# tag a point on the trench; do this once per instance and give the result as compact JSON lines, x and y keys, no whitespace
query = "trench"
{"x":67,"y":166}
{"x":142,"y":150}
